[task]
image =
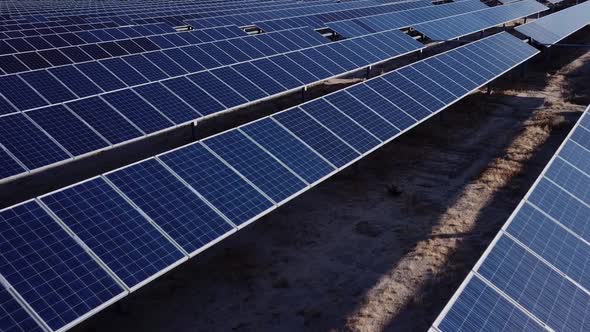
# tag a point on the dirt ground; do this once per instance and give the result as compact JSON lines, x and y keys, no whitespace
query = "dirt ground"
{"x":383,"y":245}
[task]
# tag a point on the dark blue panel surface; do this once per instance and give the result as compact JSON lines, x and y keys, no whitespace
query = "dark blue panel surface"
{"x":535,"y":286}
{"x":171,"y":204}
{"x":166,"y":64}
{"x":316,"y":136}
{"x":562,"y":206}
{"x":9,"y":166}
{"x":294,"y":69}
{"x":101,"y":76}
{"x":104,"y":119}
{"x":220,"y":185}
{"x":237,"y":82}
{"x":67,"y":129}
{"x":256,"y":165}
{"x":193,"y":95}
{"x":552,"y":242}
{"x":576,"y":154}
{"x":581,"y":135}
{"x":145,"y":67}
{"x":569,"y":178}
{"x":202,"y":57}
{"x":19,"y":93}
{"x":48,"y":86}
{"x":481,"y":308}
{"x":13,"y":317}
{"x":48,"y":268}
{"x":124,"y":71}
{"x":185,"y":61}
{"x":137,"y":110}
{"x":125,"y":241}
{"x":76,"y":81}
{"x":28,"y":143}
{"x":363,"y":115}
{"x":218,"y":89}
{"x":277,"y":73}
{"x":398,"y":98}
{"x":259,"y":78}
{"x":288,"y":149}
{"x":167,"y":103}
{"x":341,"y":125}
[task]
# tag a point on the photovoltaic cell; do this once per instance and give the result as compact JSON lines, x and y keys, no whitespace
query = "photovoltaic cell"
{"x":108,"y":122}
{"x":49,"y":269}
{"x":171,"y":204}
{"x":13,"y":317}
{"x":218,"y":89}
{"x":167,"y":102}
{"x":220,"y":185}
{"x":19,"y":93}
{"x":287,"y":148}
{"x":480,"y":308}
{"x":137,"y":110}
{"x":125,"y":241}
{"x":239,"y":83}
{"x":48,"y":86}
{"x":28,"y":143}
{"x":76,"y":81}
{"x":193,"y":95}
{"x":255,"y":164}
{"x":67,"y":129}
{"x":315,"y":135}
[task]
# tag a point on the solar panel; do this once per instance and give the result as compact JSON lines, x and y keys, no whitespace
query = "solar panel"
{"x":537,"y":264}
{"x":19,"y":93}
{"x":13,"y":317}
{"x":180,"y":212}
{"x":217,"y":183}
{"x":46,"y":266}
{"x":167,"y":103}
{"x":250,"y":160}
{"x":551,"y":29}
{"x":115,"y":231}
{"x":48,"y":86}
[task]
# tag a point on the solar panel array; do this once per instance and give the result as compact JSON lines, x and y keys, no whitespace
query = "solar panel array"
{"x":534,"y":275}
{"x":551,"y":29}
{"x":62,"y":112}
{"x":95,"y":241}
{"x":465,"y":24}
{"x":403,"y":19}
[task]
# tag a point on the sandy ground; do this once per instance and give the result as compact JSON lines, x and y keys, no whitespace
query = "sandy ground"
{"x":383,"y":245}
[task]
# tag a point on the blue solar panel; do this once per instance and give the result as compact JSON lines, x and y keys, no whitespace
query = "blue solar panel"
{"x":76,"y":81}
{"x":294,"y":69}
{"x":9,"y":166}
{"x":166,"y":64}
{"x":562,"y":206}
{"x":218,"y":89}
{"x":535,"y":286}
{"x":362,"y":114}
{"x":145,"y":67}
{"x":19,"y":93}
{"x":341,"y":125}
{"x":318,"y":57}
{"x":33,"y":60}
{"x":48,"y":86}
{"x":569,"y":178}
{"x":187,"y":62}
{"x":238,"y":82}
{"x":414,"y":91}
{"x":108,"y":122}
{"x":101,"y":76}
{"x":10,"y":64}
{"x":215,"y":52}
{"x":309,"y":65}
{"x":576,"y":155}
{"x":452,"y":74}
{"x":124,"y":71}
{"x":256,"y":165}
{"x":235,"y":53}
{"x":125,"y":241}
{"x":28,"y":143}
{"x":467,"y":68}
{"x":171,"y":204}
{"x":137,"y":110}
{"x":581,"y":136}
{"x":49,"y":269}
{"x":67,"y":129}
{"x":382,"y":106}
{"x":553,"y":243}
{"x":438,"y":77}
{"x":277,"y":73}
{"x":167,"y":102}
{"x":193,"y":95}
{"x":481,"y":308}
{"x":13,"y":317}
{"x":220,"y":185}
{"x":202,"y":57}
{"x":399,"y":98}
{"x":259,"y":78}
{"x":315,"y":135}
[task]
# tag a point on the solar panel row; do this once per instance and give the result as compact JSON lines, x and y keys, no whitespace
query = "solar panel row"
{"x":48,"y":28}
{"x":67,"y":53}
{"x":534,"y":275}
{"x":96,"y":239}
{"x":50,"y":41}
{"x":465,"y":24}
{"x":78,"y":109}
{"x":403,"y":19}
{"x":551,"y":29}
{"x":319,"y":20}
